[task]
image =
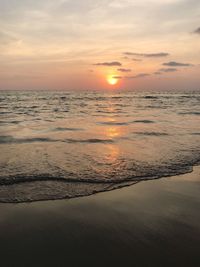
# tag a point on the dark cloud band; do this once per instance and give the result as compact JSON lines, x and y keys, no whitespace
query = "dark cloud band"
{"x":140,"y":75}
{"x":168,"y":70}
{"x":177,"y":64}
{"x":197,"y":31}
{"x":109,"y":64}
{"x":160,"y":54}
{"x":124,"y":70}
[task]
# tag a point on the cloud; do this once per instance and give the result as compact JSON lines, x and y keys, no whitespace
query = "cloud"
{"x":109,"y":64}
{"x":197,"y":31}
{"x":177,"y":64}
{"x":117,"y":77}
{"x":161,"y":54}
{"x":136,"y":59}
{"x":140,"y":75}
{"x":168,"y":70}
{"x":125,"y":57}
{"x":157,"y":73}
{"x":124,"y":70}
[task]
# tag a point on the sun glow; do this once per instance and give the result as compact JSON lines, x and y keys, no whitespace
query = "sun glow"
{"x":112,"y":80}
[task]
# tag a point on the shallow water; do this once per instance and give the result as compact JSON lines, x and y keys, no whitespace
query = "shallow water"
{"x":63,"y":144}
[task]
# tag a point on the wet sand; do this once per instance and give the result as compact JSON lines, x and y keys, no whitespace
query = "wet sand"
{"x":152,"y":223}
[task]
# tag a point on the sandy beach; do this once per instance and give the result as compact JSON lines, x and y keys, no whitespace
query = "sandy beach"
{"x":152,"y":223}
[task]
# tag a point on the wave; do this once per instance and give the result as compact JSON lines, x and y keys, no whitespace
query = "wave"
{"x":113,"y":123}
{"x":187,"y":96}
{"x":190,"y":113}
{"x":117,"y":111}
{"x":150,"y":97}
{"x":143,"y":121}
{"x":157,"y":107}
{"x":146,"y":173}
{"x":11,"y":140}
{"x":10,"y":122}
{"x":5,"y":112}
{"x":91,"y":140}
{"x":63,"y":129}
{"x":151,"y":133}
{"x":53,"y":190}
{"x":18,"y":189}
{"x":195,"y":133}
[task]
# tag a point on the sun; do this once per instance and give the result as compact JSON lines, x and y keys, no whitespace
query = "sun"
{"x":112,"y":80}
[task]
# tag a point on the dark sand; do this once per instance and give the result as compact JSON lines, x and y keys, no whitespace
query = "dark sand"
{"x":152,"y":223}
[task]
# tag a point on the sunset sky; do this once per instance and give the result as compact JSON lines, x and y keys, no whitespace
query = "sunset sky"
{"x":92,"y":44}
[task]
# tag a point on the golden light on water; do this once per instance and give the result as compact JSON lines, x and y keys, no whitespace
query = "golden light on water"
{"x":112,"y":132}
{"x":113,"y":153}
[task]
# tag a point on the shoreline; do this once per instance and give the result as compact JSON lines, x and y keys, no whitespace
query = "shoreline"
{"x":153,"y":223}
{"x":48,"y":182}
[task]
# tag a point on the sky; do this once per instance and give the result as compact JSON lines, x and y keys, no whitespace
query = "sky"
{"x":100,"y":44}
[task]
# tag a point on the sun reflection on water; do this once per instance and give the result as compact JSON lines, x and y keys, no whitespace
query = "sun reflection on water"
{"x":112,"y":132}
{"x":113,"y":153}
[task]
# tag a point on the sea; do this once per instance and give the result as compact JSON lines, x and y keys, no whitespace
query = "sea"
{"x":57,"y":145}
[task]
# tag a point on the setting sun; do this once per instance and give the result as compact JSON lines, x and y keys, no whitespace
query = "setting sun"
{"x":111,"y":80}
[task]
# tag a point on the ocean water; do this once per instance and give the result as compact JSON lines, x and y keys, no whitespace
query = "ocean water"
{"x":66,"y":144}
